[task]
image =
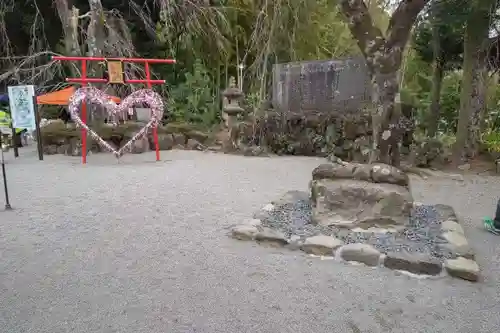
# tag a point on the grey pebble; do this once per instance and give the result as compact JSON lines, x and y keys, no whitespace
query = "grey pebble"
{"x":422,"y":235}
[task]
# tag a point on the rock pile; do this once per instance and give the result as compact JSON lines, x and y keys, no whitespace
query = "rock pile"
{"x":365,"y":214}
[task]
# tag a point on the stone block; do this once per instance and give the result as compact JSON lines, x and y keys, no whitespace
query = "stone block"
{"x":354,"y":203}
{"x":140,"y":146}
{"x":362,"y":253}
{"x":271,"y":237}
{"x":193,"y":144}
{"x":452,"y":226}
{"x":383,"y":173}
{"x":415,"y":263}
{"x":244,"y":232}
{"x":333,"y":171}
{"x":445,"y":212}
{"x":321,"y":245}
{"x":462,"y":268}
{"x":165,"y":142}
{"x":179,"y":139}
{"x":457,"y":244}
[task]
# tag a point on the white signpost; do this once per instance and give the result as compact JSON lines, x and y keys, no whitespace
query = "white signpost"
{"x":24,"y":114}
{"x":22,"y":109}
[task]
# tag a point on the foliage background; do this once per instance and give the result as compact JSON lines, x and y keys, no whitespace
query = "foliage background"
{"x":210,"y":39}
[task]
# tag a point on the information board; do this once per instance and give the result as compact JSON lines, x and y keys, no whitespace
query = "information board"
{"x":22,"y":110}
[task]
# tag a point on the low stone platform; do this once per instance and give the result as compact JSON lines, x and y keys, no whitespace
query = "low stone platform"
{"x":58,"y":138}
{"x":432,"y":243}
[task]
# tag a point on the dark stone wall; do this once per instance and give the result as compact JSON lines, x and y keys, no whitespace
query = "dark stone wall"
{"x":347,"y":136}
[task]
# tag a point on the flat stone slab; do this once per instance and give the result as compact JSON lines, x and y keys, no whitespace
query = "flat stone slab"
{"x":352,"y":203}
{"x":244,"y":232}
{"x":415,"y":263}
{"x":462,"y":268}
{"x":362,"y":253}
{"x":376,"y":173}
{"x":445,"y":212}
{"x":376,"y":230}
{"x":321,"y":245}
{"x":271,"y":237}
{"x":457,"y":244}
{"x":452,"y":226}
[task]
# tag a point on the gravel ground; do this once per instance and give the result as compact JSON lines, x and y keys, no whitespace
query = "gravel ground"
{"x":422,"y":234}
{"x":139,"y":246}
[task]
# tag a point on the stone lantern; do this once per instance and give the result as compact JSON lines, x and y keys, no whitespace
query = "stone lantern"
{"x":232,"y":110}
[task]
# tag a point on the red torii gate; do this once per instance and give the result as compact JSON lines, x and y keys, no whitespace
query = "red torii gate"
{"x":84,"y":80}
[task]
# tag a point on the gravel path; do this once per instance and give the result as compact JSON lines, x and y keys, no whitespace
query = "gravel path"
{"x":139,"y":246}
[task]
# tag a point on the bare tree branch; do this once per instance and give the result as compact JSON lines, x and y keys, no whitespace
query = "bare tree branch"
{"x":402,"y":21}
{"x":368,"y":36}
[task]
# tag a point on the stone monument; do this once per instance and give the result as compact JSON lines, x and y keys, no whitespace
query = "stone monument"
{"x":350,"y":195}
{"x":365,"y":213}
{"x":340,"y":85}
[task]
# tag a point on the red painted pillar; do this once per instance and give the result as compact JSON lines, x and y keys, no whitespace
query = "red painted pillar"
{"x":155,"y":129}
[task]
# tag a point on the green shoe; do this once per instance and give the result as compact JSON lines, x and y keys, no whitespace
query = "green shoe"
{"x":489,"y":226}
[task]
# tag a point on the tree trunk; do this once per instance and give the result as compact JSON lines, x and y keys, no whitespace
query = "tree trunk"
{"x":437,"y":82}
{"x":69,"y":22}
{"x":383,"y":57}
{"x":96,"y":43}
{"x":487,"y":80}
{"x":96,"y":37}
{"x":477,"y":106}
{"x":386,"y":134}
{"x":475,"y":47}
{"x":434,"y":109}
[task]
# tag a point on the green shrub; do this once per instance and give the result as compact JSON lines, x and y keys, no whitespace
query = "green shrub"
{"x":193,"y":100}
{"x":491,"y":141}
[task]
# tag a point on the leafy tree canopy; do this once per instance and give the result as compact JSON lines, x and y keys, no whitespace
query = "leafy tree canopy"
{"x":446,"y":18}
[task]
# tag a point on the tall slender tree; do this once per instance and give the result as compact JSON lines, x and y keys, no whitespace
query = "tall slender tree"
{"x":438,"y":39}
{"x":473,"y":93}
{"x":383,"y":54}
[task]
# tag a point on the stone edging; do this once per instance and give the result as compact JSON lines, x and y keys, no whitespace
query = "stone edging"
{"x":461,"y":263}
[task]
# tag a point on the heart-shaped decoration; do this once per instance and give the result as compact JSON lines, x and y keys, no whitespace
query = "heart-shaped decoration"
{"x":93,"y":95}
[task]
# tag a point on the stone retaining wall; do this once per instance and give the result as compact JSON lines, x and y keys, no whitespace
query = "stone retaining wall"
{"x":312,"y":135}
{"x":346,"y":135}
{"x":58,"y":138}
